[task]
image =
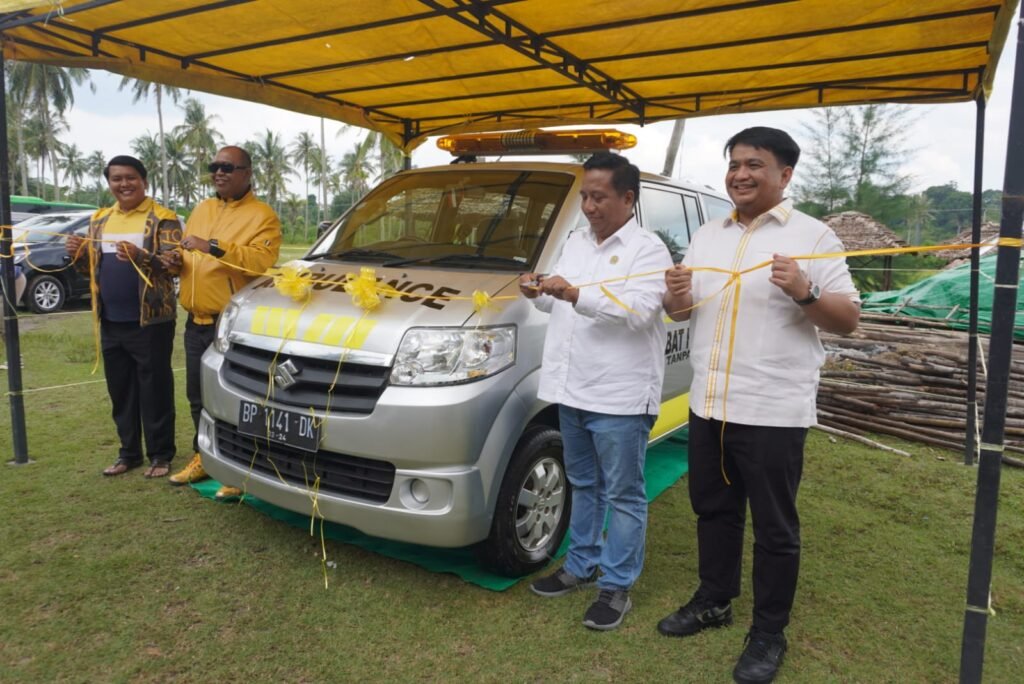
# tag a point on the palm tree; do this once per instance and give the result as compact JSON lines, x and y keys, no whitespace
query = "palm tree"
{"x":16,"y":123}
{"x":389,"y":157}
{"x":292,"y":208}
{"x":181,"y":172}
{"x":270,"y":165}
{"x":75,"y":165}
{"x":321,"y":169}
{"x":140,"y":91}
{"x":920,"y":213}
{"x":302,"y":152}
{"x":197,"y":134}
{"x":153,"y":156}
{"x":42,"y":143}
{"x":357,"y":170}
{"x":97,"y":162}
{"x":38,"y":86}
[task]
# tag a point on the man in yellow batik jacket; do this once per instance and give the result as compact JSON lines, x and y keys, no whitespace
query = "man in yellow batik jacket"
{"x":133,"y":301}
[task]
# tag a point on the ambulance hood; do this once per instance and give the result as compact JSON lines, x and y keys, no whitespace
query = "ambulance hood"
{"x":330,"y":321}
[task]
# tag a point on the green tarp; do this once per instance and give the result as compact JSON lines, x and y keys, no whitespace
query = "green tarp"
{"x":946,"y":296}
{"x":666,"y":463}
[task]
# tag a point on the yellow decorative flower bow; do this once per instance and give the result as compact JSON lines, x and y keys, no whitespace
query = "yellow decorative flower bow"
{"x":293,"y":281}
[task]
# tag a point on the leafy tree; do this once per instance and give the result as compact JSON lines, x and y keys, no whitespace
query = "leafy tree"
{"x":873,"y":136}
{"x":827,"y":172}
{"x":140,"y":91}
{"x":854,"y":159}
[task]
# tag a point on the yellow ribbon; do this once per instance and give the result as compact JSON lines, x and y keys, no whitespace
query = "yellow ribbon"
{"x":366,"y":292}
{"x":293,"y":281}
{"x":481,"y":301}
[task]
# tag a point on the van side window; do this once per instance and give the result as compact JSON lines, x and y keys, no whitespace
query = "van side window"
{"x":717,"y":208}
{"x":663,"y":214}
{"x":692,"y":212}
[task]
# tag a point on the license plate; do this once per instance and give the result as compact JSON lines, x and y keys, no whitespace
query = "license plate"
{"x":299,"y":430}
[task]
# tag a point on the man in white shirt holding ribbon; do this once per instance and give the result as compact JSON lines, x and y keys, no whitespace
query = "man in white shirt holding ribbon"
{"x":604,"y":365}
{"x":755,"y":365}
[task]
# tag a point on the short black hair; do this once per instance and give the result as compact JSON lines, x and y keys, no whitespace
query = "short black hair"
{"x":776,"y":141}
{"x":625,"y":176}
{"x":125,"y":160}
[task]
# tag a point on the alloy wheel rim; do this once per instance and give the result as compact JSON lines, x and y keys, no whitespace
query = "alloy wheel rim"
{"x":541,"y":504}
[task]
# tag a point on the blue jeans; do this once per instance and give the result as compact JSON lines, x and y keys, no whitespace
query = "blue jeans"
{"x":604,"y":460}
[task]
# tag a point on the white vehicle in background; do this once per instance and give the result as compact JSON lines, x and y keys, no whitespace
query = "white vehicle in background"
{"x":419,"y":420}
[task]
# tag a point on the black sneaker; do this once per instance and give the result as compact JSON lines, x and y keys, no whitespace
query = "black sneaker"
{"x":560,"y":583}
{"x":761,"y":658}
{"x":608,"y":610}
{"x":699,"y":614}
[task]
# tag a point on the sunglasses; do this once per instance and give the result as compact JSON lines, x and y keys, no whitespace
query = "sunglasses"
{"x":226,"y":167}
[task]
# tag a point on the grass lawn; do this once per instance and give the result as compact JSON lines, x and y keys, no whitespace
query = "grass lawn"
{"x":131,"y":580}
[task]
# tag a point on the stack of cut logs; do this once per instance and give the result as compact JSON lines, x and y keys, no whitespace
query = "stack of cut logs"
{"x":908,"y":378}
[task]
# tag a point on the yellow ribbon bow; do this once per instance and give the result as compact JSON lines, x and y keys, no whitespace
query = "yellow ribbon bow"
{"x":366,"y":293}
{"x":293,"y":281}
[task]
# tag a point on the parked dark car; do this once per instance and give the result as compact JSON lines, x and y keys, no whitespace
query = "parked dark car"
{"x":39,"y":250}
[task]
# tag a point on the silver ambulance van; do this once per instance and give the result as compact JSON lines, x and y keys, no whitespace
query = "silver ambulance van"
{"x":419,"y":420}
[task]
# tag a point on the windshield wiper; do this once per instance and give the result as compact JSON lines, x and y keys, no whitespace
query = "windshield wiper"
{"x":357,"y":254}
{"x":462,"y":259}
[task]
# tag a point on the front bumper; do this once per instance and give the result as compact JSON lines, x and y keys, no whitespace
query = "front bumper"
{"x":446,"y":446}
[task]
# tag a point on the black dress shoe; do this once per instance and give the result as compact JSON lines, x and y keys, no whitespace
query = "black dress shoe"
{"x":762,"y":655}
{"x":699,"y":614}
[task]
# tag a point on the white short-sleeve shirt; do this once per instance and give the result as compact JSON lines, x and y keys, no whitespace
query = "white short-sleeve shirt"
{"x":776,"y":354}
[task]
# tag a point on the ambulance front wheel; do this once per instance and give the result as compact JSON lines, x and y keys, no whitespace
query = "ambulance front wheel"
{"x":532,"y":511}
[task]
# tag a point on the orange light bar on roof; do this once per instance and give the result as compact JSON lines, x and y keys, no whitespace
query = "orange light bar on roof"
{"x":537,"y":141}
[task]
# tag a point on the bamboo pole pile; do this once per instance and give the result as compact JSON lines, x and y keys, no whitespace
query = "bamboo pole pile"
{"x":910,"y":381}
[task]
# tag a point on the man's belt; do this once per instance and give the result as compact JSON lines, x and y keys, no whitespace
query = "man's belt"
{"x":203,"y":319}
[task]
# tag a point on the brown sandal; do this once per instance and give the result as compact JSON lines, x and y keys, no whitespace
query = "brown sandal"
{"x":157,"y":469}
{"x":120,"y":467}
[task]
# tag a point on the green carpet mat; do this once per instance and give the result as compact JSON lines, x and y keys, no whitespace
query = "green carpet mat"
{"x":666,"y":463}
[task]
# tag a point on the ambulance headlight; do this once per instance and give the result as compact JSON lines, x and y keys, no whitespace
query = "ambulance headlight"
{"x":224,"y":325}
{"x":448,"y":356}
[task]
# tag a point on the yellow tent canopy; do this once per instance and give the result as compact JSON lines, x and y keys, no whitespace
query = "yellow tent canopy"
{"x":413,"y":68}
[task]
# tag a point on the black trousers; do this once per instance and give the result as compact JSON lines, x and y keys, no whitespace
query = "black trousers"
{"x":197,"y":339}
{"x":137,"y":365}
{"x":764,"y":465}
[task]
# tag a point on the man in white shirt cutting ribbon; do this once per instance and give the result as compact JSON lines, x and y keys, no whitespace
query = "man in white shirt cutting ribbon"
{"x":604,"y":366}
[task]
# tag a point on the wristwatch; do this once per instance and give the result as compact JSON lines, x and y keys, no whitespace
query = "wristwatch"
{"x":215,"y":249}
{"x":812,"y":295}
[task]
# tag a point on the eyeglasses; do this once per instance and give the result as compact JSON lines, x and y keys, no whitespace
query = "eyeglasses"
{"x":226,"y":167}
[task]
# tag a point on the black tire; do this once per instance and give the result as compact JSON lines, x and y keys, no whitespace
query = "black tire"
{"x":534,"y":491}
{"x":45,"y":294}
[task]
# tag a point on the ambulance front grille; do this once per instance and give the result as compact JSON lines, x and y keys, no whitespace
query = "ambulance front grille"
{"x":356,"y":387}
{"x":351,"y":476}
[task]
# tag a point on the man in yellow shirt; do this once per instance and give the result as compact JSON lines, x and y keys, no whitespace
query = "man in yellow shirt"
{"x":229,"y":240}
{"x":133,"y":301}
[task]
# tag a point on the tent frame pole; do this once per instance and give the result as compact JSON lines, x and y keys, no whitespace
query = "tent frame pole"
{"x":971,"y":441}
{"x":11,"y":340}
{"x":1004,"y":304}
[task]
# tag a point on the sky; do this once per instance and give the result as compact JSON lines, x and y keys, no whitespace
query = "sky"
{"x":940,"y":139}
